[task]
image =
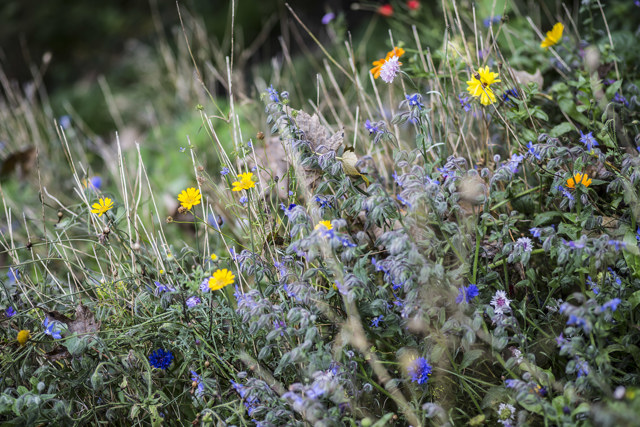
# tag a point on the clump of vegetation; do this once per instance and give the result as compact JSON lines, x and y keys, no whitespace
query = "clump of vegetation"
{"x":449,"y":237}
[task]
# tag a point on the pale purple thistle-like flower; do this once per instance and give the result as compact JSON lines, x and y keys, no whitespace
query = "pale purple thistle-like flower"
{"x":194,"y":300}
{"x":506,"y":413}
{"x":525,"y":243}
{"x":500,"y":302}
{"x":419,"y":369}
{"x":390,"y":69}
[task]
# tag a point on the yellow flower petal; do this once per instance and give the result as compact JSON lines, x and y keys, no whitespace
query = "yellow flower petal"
{"x":23,"y":336}
{"x":189,"y":198}
{"x":102,"y":206}
{"x":220,"y":279}
{"x":553,"y":36}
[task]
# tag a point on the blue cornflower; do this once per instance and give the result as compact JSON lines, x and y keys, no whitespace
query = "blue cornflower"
{"x":375,"y":323}
{"x":161,"y":358}
{"x":51,"y":328}
{"x":225,"y":171}
{"x":419,"y":370}
{"x":10,"y":312}
{"x":273,"y":94}
{"x":198,"y":380}
{"x":194,"y":300}
{"x":414,"y":100}
{"x":612,"y":304}
{"x":588,"y":140}
{"x":466,"y":294}
{"x":464,"y":102}
{"x":215,"y":222}
{"x":531,"y":149}
{"x":328,"y":17}
{"x":243,"y":199}
{"x":371,"y":127}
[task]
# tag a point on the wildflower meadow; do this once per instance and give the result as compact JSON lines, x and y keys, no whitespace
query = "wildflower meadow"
{"x":428,"y":217}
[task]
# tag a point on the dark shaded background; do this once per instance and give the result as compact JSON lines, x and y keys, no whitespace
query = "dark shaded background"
{"x":85,"y":38}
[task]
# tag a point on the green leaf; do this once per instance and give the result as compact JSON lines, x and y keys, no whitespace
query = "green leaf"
{"x":561,"y":129}
{"x":545,"y":218}
{"x":470,"y":357}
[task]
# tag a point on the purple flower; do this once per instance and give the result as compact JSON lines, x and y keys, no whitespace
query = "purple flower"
{"x":273,"y":94}
{"x":525,"y":243}
{"x":419,"y":370}
{"x":617,"y":244}
{"x":13,"y":274}
{"x":224,"y":171}
{"x":375,"y":323}
{"x":390,"y":69}
{"x":52,"y":328}
{"x":514,"y":162}
{"x":588,"y":140}
{"x":466,"y":294}
{"x":575,"y":245}
{"x":612,"y":304}
{"x":372,"y":127}
{"x":579,"y":322}
{"x":566,"y":193}
{"x":495,"y":20}
{"x":593,"y":285}
{"x":531,"y":149}
{"x":65,"y":122}
{"x":620,"y":99}
{"x":194,"y":300}
{"x":464,"y":102}
{"x":414,"y":100}
{"x":162,"y":288}
{"x":328,"y":17}
{"x":161,"y":359}
{"x":243,"y":199}
{"x":197,"y":379}
{"x":583,"y":368}
{"x":535,"y":232}
{"x":10,"y":312}
{"x":204,"y":286}
{"x":500,"y":302}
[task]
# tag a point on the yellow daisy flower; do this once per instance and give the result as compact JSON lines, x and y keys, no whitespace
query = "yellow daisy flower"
{"x":480,"y":85}
{"x":325,"y":224}
{"x":214,"y":257}
{"x":553,"y":36}
{"x":245,"y":182}
{"x":189,"y":198}
{"x":220,"y":279}
{"x":397,"y":51}
{"x":23,"y":336}
{"x":578,"y":178}
{"x":102,"y":206}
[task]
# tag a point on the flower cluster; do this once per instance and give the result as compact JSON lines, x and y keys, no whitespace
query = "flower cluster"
{"x":161,"y":359}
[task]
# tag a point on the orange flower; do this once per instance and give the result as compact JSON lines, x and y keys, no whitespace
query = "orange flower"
{"x":579,"y":178}
{"x":397,"y":51}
